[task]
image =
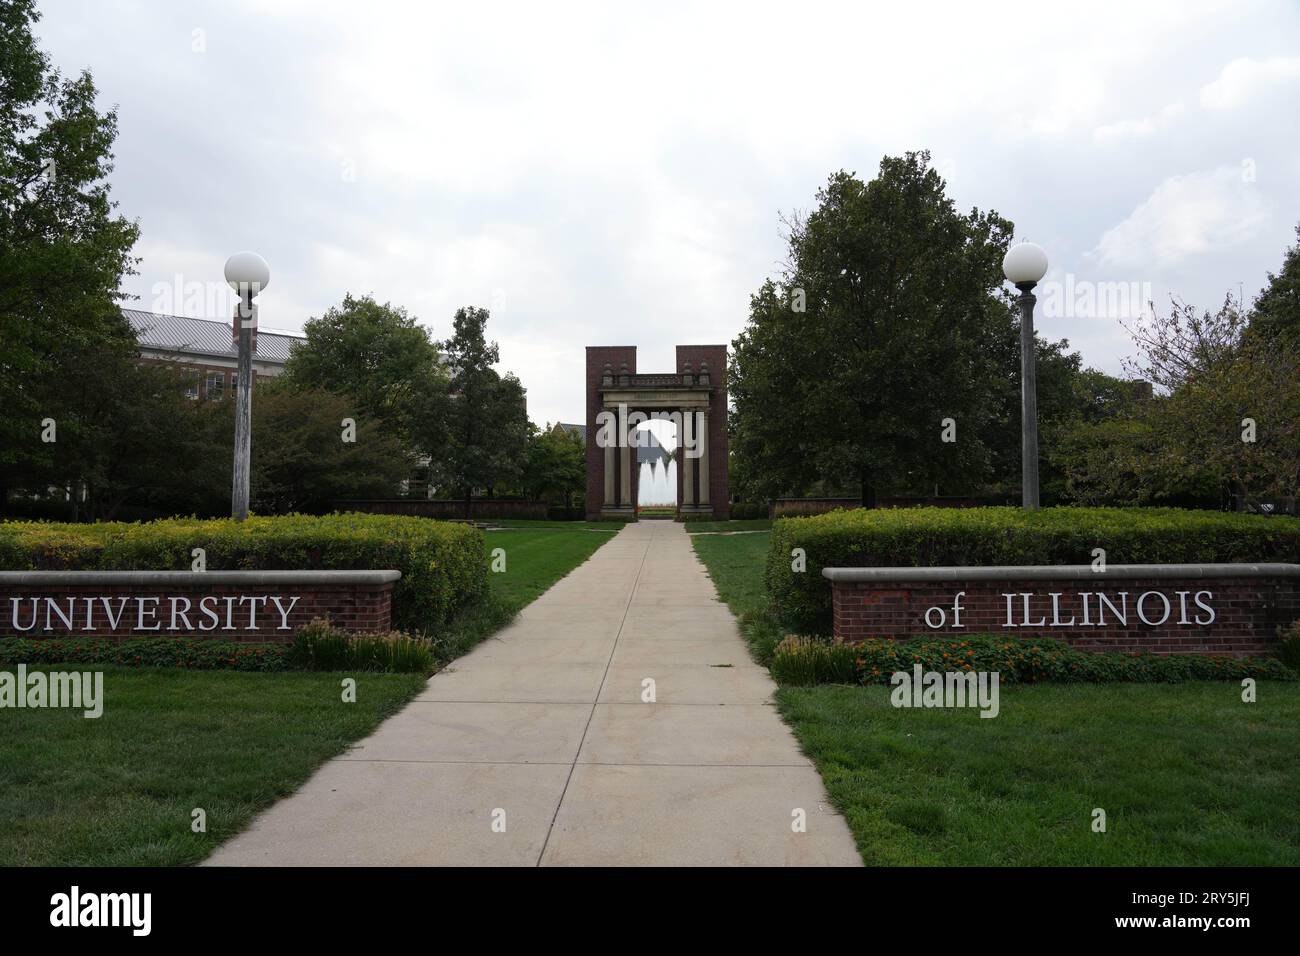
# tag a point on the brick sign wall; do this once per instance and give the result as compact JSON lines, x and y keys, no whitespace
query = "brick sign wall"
{"x":1171,"y":609}
{"x":221,"y":605}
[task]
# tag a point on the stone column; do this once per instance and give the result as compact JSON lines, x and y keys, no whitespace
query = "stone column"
{"x":625,"y":467}
{"x":704,"y":457}
{"x":609,"y":476}
{"x":688,"y":463}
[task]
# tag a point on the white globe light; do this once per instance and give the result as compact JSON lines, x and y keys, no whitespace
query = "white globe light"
{"x":247,"y":271}
{"x":1024,"y":262}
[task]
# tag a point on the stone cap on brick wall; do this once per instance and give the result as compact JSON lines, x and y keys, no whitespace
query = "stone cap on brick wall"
{"x":156,"y":578}
{"x":1062,"y":572}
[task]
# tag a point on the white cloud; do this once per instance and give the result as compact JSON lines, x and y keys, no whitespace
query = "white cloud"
{"x":1138,"y":128}
{"x":1243,"y":79}
{"x":1186,"y":216}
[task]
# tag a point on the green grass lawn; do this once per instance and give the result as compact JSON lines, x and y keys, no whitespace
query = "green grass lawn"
{"x":530,"y":524}
{"x":735,"y":563}
{"x":748,"y":524}
{"x":1187,"y":773}
{"x":119,"y":790}
{"x":537,"y":557}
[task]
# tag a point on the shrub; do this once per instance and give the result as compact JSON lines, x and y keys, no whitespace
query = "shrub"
{"x":936,"y":537}
{"x":746,"y":512}
{"x":1029,"y":660}
{"x":801,"y":661}
{"x":442,"y":563}
{"x":319,"y":646}
{"x":197,"y":654}
{"x":1289,"y":646}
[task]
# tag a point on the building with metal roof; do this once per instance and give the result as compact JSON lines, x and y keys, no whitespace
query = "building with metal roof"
{"x":207,"y":349}
{"x":579,"y":430}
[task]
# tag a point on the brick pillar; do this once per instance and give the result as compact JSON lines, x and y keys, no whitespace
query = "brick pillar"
{"x":716,"y":357}
{"x":597,"y":356}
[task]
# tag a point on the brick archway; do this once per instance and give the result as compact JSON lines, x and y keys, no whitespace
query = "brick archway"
{"x":696,"y":392}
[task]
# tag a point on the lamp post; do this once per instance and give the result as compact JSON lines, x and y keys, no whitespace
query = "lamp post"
{"x":1024,"y":265}
{"x":248,"y":274}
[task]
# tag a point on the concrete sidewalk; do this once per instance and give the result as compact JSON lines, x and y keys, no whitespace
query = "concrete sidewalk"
{"x":543,"y":727}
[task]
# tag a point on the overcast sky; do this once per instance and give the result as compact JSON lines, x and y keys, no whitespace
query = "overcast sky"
{"x":611,"y":174}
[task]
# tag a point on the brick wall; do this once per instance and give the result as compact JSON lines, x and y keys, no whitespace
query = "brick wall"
{"x":482,"y":508}
{"x":1246,"y":611}
{"x":165,"y":609}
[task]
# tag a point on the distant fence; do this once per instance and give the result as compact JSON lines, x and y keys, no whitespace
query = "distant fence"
{"x":1265,"y":506}
{"x":793,"y":507}
{"x":485,"y":508}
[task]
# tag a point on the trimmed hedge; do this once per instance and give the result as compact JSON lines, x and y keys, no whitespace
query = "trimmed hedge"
{"x":192,"y":654}
{"x":801,"y":661}
{"x":938,"y":537}
{"x":442,"y":563}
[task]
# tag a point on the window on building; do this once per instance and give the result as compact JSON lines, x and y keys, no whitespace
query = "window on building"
{"x":191,"y":383}
{"x":216,"y":384}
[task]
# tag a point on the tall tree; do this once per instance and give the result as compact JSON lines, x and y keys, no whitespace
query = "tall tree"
{"x":881,"y":327}
{"x":384,"y":361}
{"x":303,"y":460}
{"x":556,"y":466}
{"x":143,"y":443}
{"x":63,"y":252}
{"x":488,"y":418}
{"x":1230,"y":402}
{"x":1277,"y":308}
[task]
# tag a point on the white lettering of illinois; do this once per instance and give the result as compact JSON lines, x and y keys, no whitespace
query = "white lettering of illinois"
{"x":1088,"y":609}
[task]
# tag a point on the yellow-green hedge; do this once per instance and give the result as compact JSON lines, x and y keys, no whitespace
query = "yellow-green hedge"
{"x":442,"y":563}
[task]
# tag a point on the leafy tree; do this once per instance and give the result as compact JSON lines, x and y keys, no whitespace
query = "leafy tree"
{"x":1101,"y":462}
{"x":384,"y":361}
{"x":488,"y":423}
{"x":147,"y":445}
{"x":1277,"y":308}
{"x":556,"y":467}
{"x":1225,"y":417}
{"x":301,"y":461}
{"x":63,"y":253}
{"x":887,"y":320}
{"x":1176,"y":347}
{"x":1107,"y":453}
{"x":1232,"y":407}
